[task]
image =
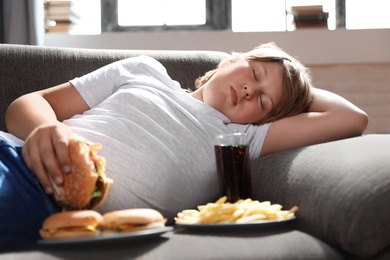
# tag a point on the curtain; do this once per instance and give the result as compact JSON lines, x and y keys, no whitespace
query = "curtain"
{"x":22,"y":22}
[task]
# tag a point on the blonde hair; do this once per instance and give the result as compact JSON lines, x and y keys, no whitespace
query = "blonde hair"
{"x":297,"y":94}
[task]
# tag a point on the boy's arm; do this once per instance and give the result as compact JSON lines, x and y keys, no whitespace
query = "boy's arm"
{"x":331,"y":117}
{"x":37,"y":118}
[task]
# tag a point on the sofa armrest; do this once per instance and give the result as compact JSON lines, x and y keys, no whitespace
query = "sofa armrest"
{"x":342,"y":189}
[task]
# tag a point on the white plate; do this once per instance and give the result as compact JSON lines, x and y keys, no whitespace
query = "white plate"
{"x":125,"y":236}
{"x":224,"y":226}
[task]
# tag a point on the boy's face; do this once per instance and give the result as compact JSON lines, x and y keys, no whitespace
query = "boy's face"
{"x":246,"y":92}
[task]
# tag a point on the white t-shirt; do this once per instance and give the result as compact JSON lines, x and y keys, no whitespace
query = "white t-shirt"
{"x":156,"y":138}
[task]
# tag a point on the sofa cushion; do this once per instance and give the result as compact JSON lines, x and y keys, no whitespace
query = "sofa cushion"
{"x":342,"y":190}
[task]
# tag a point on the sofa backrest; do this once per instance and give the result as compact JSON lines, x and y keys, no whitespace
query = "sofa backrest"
{"x":29,"y":68}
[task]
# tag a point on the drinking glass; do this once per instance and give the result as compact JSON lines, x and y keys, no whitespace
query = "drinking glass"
{"x":233,"y":165}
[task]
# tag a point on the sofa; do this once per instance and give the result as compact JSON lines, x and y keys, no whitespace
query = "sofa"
{"x":342,"y":188}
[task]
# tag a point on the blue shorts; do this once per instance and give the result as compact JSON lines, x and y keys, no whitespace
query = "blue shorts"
{"x":23,"y":203}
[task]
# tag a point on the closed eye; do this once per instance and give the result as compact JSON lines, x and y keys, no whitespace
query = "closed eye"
{"x":254,"y":74}
{"x":261,"y":101}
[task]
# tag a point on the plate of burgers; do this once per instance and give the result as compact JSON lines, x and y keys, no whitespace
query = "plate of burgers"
{"x":85,"y":188}
{"x":86,"y":226}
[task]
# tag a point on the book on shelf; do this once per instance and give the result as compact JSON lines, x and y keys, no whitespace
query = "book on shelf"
{"x":59,"y":2}
{"x":63,"y":17}
{"x":318,"y":24}
{"x":309,"y":16}
{"x":307,"y":10}
{"x":60,"y":27}
{"x":62,"y":11}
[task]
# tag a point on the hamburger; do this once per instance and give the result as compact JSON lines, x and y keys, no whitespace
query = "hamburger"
{"x":86,"y":186}
{"x":131,"y":220}
{"x":71,"y":224}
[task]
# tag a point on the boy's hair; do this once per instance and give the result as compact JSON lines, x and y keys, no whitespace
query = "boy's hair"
{"x":297,"y":94}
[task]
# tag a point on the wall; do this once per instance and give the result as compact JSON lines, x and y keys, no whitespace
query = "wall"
{"x":352,"y":63}
{"x":311,"y":46}
{"x":365,"y":84}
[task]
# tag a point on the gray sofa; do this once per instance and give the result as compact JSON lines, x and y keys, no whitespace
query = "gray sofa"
{"x":342,"y":188}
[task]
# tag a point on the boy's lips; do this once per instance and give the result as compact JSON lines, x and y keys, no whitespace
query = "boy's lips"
{"x":233,"y":96}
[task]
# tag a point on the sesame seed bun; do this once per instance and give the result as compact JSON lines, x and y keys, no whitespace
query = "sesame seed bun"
{"x":86,"y":177}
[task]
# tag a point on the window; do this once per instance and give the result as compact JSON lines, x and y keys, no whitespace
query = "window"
{"x":236,"y":15}
{"x":137,"y":15}
{"x":164,"y":12}
{"x":367,"y":14}
{"x":258,"y":15}
{"x":275,"y":15}
{"x":90,"y":19}
{"x":72,"y":17}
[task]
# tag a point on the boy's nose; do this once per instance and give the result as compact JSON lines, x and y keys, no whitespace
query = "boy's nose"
{"x":248,"y":91}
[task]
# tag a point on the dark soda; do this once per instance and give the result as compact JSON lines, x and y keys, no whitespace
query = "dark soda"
{"x":234,"y":171}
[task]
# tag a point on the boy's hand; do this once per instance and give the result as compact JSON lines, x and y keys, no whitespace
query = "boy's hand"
{"x":46,"y":154}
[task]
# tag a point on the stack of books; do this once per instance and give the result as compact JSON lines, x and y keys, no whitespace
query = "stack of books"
{"x":310,"y":16}
{"x":61,"y":15}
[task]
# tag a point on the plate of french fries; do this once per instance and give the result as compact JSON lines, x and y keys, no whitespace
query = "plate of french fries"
{"x":242,"y":212}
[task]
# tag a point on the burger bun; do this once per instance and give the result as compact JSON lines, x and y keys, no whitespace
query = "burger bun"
{"x":131,"y":220}
{"x":71,"y":224}
{"x":86,"y":178}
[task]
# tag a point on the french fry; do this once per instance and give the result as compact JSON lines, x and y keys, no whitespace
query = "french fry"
{"x":242,"y":211}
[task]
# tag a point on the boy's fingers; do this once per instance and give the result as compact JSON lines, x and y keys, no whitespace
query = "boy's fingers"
{"x":34,"y":163}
